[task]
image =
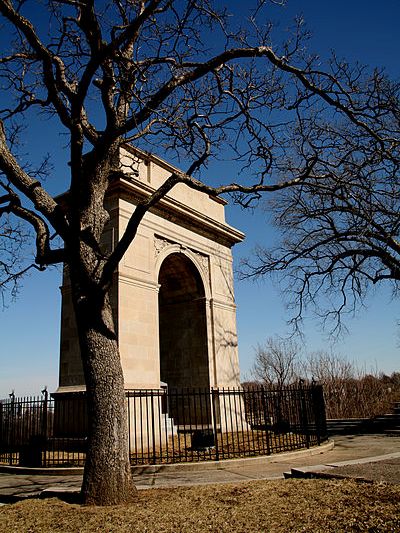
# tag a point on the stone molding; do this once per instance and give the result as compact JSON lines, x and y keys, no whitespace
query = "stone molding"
{"x":223,"y":304}
{"x":137,"y":282}
{"x":134,"y":191}
{"x":202,"y":260}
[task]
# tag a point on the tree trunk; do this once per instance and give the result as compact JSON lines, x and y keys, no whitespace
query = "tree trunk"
{"x":107,"y":475}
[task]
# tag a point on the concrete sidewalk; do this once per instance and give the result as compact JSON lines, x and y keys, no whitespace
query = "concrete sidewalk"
{"x":357,"y":449}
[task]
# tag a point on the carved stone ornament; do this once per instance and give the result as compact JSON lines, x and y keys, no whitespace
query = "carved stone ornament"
{"x":203,"y":262}
{"x":160,"y":243}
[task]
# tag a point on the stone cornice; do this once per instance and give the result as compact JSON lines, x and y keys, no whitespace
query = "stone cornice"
{"x":134,"y":190}
{"x":148,"y":156}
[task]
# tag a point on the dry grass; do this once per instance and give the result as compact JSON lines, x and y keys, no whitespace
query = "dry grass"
{"x":268,"y":506}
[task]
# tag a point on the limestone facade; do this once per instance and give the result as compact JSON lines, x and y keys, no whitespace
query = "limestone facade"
{"x":172,"y":296}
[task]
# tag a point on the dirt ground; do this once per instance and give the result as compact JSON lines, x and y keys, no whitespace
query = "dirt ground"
{"x":314,"y":505}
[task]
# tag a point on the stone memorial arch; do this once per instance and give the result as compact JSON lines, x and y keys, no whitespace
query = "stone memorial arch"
{"x":172,"y":294}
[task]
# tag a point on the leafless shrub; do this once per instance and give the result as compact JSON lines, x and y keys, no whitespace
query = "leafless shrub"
{"x":350,"y":392}
{"x":276,"y":361}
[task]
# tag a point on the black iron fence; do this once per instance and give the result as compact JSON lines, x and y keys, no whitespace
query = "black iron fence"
{"x":167,"y":426}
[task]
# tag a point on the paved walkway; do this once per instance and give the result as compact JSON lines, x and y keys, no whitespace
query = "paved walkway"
{"x":386,"y":469}
{"x":348,"y":451}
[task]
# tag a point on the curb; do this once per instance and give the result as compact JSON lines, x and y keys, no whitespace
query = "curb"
{"x":179,"y":467}
{"x":227,"y":463}
{"x":51,"y":471}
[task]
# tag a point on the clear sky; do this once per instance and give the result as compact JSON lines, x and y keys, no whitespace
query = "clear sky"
{"x":367,"y":31}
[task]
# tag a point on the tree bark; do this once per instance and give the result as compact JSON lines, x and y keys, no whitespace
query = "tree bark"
{"x":107,"y":474}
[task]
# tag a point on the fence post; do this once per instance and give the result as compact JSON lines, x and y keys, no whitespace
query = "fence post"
{"x":153,"y":426}
{"x":303,"y":410}
{"x":128,"y":415}
{"x":44,"y":424}
{"x":11,"y":425}
{"x":319,"y":410}
{"x":214,"y":396}
{"x":267,"y":433}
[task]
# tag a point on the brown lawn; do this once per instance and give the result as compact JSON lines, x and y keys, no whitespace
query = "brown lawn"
{"x":275,"y":506}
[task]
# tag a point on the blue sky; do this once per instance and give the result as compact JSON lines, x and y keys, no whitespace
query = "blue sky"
{"x":366,"y":31}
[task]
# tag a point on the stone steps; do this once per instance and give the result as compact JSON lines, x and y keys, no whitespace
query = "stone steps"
{"x":346,"y":425}
{"x":393,"y":420}
{"x":394,"y":432}
{"x":388,"y":423}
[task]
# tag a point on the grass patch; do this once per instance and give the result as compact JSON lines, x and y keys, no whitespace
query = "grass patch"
{"x":269,"y":506}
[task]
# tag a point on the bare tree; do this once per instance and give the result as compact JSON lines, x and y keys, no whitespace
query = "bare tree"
{"x":328,"y":366}
{"x":340,"y":231}
{"x":350,"y":391}
{"x":147,"y":72}
{"x":275,"y":362}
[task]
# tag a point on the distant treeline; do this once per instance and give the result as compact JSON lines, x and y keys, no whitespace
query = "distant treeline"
{"x":349,"y":392}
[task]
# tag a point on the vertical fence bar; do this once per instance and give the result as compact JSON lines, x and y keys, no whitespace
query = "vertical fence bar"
{"x":236,"y":393}
{"x":250,"y":399}
{"x":12,"y":423}
{"x":135,"y":427}
{"x":304,"y":414}
{"x":198,"y":427}
{"x":319,"y":411}
{"x":159,"y":428}
{"x":153,"y":426}
{"x":141,"y":429}
{"x":149,"y":447}
{"x":230,"y":420}
{"x":173,"y":426}
{"x":214,"y":396}
{"x":128,"y":414}
{"x":266,"y":420}
{"x":242,"y":415}
{"x":44,"y":425}
{"x":178,"y":420}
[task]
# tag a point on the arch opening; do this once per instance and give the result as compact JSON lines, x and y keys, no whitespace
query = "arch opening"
{"x":184,"y":360}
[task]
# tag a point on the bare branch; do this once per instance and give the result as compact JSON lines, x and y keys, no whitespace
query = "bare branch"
{"x":42,"y":201}
{"x":53,"y":85}
{"x":44,"y":254}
